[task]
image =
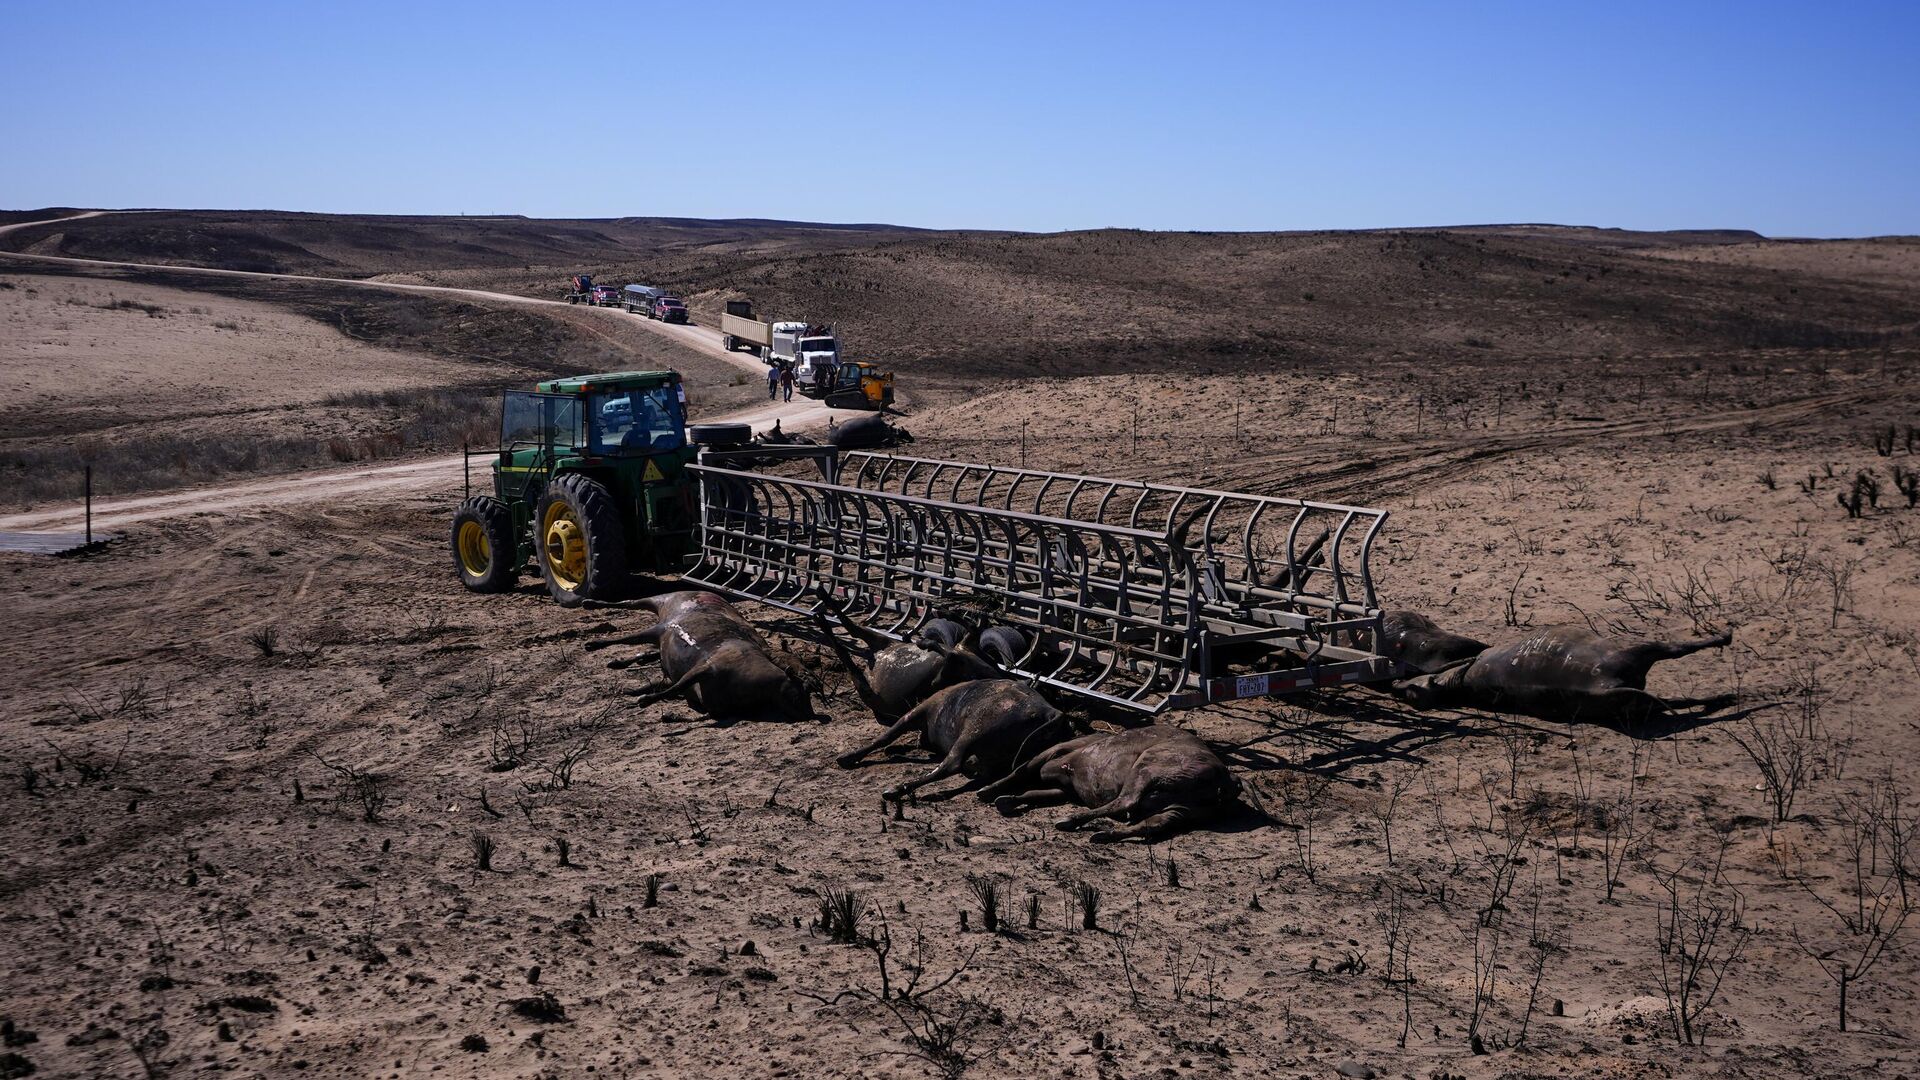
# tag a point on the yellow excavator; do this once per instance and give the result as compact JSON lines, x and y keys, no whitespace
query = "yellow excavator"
{"x":859,"y":385}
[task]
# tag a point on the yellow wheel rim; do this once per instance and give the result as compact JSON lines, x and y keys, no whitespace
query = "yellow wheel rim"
{"x":476,"y":554}
{"x":564,"y":545}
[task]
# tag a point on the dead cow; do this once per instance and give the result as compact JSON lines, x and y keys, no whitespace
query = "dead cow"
{"x":905,"y":673}
{"x":710,"y":651}
{"x":1158,"y":779}
{"x":870,"y":432}
{"x":1563,"y":673}
{"x":983,"y":728}
{"x":1419,"y":644}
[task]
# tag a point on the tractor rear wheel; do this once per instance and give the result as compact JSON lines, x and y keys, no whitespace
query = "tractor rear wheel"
{"x":578,"y":541}
{"x":483,"y":547}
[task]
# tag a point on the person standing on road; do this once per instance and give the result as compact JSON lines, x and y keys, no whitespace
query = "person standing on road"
{"x":786,"y":381}
{"x":773,"y":380}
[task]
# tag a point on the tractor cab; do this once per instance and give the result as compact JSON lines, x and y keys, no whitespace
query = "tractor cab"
{"x":589,"y":482}
{"x":595,"y":423}
{"x":859,"y":385}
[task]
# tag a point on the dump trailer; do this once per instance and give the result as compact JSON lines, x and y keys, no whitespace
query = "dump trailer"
{"x":1145,"y":597}
{"x":804,"y":347}
{"x":740,"y":329}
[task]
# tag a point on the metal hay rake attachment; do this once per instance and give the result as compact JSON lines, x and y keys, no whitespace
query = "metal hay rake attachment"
{"x":1146,"y":596}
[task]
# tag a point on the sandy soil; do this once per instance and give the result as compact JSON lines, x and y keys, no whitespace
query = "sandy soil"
{"x":189,"y":879}
{"x":78,"y":354}
{"x":1893,"y":260}
{"x":191,"y":868}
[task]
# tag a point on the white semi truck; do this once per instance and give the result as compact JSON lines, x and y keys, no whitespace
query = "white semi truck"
{"x":807,"y":348}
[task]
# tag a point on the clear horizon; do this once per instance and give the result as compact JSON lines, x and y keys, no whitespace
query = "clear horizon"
{"x":1777,"y":118}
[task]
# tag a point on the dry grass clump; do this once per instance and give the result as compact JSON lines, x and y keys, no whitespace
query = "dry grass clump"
{"x":422,"y":421}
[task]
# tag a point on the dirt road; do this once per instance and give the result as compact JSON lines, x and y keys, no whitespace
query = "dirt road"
{"x":333,"y":485}
{"x":421,"y":474}
{"x":695,"y":337}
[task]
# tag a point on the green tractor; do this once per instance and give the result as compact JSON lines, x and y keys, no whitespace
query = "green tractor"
{"x":590,"y":484}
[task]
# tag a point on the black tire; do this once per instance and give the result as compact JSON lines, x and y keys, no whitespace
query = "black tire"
{"x":598,"y":570}
{"x":720,"y":434}
{"x":484,"y":553}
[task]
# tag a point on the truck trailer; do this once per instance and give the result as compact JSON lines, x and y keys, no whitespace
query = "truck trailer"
{"x":640,"y":298}
{"x":807,"y":348}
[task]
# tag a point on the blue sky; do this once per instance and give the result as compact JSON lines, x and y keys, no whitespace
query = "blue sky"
{"x":1793,"y":119}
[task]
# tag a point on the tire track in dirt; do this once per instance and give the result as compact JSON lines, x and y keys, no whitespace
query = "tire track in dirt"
{"x":186,"y":579}
{"x":173,"y":813}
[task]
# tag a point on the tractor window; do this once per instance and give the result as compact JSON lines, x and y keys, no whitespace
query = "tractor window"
{"x":636,"y":421}
{"x":540,"y":420}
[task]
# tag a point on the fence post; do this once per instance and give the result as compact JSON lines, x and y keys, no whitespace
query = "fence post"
{"x":1023,"y":444}
{"x":89,"y":500}
{"x":466,"y":472}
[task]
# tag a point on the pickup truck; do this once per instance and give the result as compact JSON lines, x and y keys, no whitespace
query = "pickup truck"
{"x":668,"y":308}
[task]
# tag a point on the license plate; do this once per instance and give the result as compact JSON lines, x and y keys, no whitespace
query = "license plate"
{"x":1250,"y":686}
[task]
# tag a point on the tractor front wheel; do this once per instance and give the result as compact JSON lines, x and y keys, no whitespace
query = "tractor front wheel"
{"x":483,"y":548}
{"x":578,"y":541}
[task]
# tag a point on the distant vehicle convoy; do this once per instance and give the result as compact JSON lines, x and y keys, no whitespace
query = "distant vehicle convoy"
{"x":811,"y":350}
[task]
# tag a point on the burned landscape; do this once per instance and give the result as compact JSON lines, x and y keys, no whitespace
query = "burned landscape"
{"x":280,"y":795}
